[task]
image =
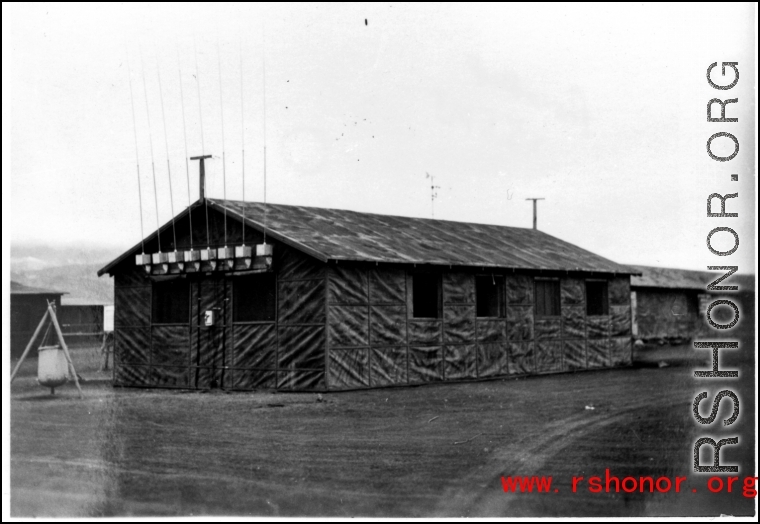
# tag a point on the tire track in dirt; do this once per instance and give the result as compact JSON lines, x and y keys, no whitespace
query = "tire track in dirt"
{"x":524,"y":457}
{"x":313,"y":489}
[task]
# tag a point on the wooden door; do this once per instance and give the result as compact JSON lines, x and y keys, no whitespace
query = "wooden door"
{"x":211,"y":331}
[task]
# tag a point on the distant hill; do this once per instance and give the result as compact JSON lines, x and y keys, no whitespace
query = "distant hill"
{"x":72,"y":269}
{"x":80,"y":281}
{"x":38,"y":256}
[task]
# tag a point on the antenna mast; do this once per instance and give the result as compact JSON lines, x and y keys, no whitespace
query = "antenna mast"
{"x":184,"y":135}
{"x":137,"y":157}
{"x":242,"y":134}
{"x":224,"y":163}
{"x":203,"y":147}
{"x":152,"y":161}
{"x":264,"y":119}
{"x":168,"y":164}
{"x":535,"y":211}
{"x":433,"y":192}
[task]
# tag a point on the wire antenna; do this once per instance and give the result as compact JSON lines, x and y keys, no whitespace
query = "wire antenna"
{"x":184,"y":135}
{"x":242,"y":133}
{"x":224,"y":164}
{"x":168,"y":164}
{"x":203,"y":147}
{"x":264,"y":98}
{"x":137,"y":156}
{"x":152,"y":159}
{"x":433,"y":192}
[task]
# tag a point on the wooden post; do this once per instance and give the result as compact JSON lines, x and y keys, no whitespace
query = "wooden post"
{"x":104,"y":362}
{"x":203,"y":174}
{"x":535,"y":211}
{"x":105,"y":351}
{"x":29,"y":345}
{"x":65,"y":349}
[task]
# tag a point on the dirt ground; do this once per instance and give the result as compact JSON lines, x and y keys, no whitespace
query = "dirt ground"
{"x":438,"y":450}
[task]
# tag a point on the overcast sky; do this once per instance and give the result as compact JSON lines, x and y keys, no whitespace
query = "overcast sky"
{"x":600,"y":109}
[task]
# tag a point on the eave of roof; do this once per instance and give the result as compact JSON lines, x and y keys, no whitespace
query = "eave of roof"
{"x":22,"y":289}
{"x":672,"y":278}
{"x":74,"y":301}
{"x":260,"y":227}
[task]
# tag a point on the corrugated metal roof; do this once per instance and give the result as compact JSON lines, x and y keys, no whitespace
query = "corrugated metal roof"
{"x":22,"y":289}
{"x":336,"y":234}
{"x":672,"y":278}
{"x":350,"y":235}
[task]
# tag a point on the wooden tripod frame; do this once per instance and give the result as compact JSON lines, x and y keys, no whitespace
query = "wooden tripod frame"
{"x":50,"y":312}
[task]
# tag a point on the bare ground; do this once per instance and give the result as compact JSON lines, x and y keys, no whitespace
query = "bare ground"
{"x":438,"y":450}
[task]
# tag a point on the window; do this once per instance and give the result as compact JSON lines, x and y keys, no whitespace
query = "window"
{"x":489,"y":295}
{"x":547,"y":298}
{"x":254,"y":298}
{"x":171,"y":302}
{"x":426,"y":295}
{"x":596,"y":298}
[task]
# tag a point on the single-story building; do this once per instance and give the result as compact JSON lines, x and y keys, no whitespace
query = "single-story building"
{"x":83,"y":320}
{"x":334,"y":299}
{"x":670,"y":304}
{"x":28,"y":304}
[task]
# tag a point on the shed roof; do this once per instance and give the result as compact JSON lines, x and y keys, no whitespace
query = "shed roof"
{"x":21,"y":289}
{"x":338,"y":235}
{"x":672,"y":278}
{"x":76,"y":301}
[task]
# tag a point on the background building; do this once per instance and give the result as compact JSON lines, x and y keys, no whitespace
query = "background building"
{"x":83,"y":321}
{"x":28,"y":304}
{"x":670,"y":304}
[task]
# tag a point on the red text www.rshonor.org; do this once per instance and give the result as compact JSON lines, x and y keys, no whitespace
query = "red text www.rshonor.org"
{"x":612,"y":484}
